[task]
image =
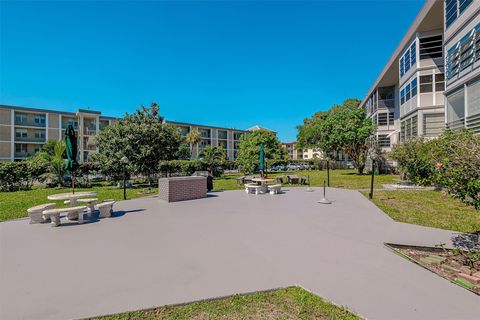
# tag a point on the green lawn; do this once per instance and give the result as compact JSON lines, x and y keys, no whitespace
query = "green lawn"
{"x":15,"y":204}
{"x":290,"y":303}
{"x":428,"y":208}
{"x":348,"y":179}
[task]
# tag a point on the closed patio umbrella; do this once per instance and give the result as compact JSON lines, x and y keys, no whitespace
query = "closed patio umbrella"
{"x":262,"y":160}
{"x":72,"y":150}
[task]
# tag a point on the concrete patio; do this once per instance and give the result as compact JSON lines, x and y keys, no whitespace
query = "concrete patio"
{"x":155,"y":253}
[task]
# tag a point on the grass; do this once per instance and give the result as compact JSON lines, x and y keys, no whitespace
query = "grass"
{"x":14,"y":205}
{"x":290,"y":303}
{"x":348,"y":179}
{"x":428,"y":208}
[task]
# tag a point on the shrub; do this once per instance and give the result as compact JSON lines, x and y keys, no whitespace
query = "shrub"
{"x":20,"y":175}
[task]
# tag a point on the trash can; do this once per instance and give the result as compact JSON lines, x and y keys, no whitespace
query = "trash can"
{"x":207,"y":175}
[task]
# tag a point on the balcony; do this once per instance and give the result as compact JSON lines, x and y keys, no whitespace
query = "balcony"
{"x":30,"y":139}
{"x":65,"y":125}
{"x":89,"y":131}
{"x":21,"y":154}
{"x":457,"y":124}
{"x":386,"y":103}
{"x":29,"y":123}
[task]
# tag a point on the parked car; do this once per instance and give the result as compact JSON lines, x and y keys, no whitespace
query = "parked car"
{"x":292,"y":166}
{"x":278,"y":167}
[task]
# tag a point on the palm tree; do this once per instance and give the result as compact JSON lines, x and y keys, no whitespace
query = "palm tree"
{"x":56,"y":161}
{"x":213,"y":157}
{"x":193,"y":137}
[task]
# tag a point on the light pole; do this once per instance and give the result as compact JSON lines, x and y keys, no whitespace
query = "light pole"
{"x":373,"y":157}
{"x":328,"y":171}
{"x":124,"y":161}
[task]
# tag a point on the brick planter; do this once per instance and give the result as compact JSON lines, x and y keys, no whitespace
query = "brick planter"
{"x":182,"y":188}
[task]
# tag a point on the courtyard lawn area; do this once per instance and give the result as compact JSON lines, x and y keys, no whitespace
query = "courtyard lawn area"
{"x":348,"y":179}
{"x":14,"y":205}
{"x":290,"y":303}
{"x":428,"y":208}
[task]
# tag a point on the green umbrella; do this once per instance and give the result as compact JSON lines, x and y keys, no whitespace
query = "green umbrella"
{"x":72,"y":150}
{"x":262,"y":159}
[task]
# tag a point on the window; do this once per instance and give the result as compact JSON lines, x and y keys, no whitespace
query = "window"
{"x":391,"y":118}
{"x":414,"y":87}
{"x":237,"y":135}
{"x":408,"y":128}
{"x":409,"y":91}
{"x":464,"y":53}
{"x":454,"y":8}
{"x":439,"y":82}
{"x":39,"y":119}
{"x":20,"y":133}
{"x":426,"y":84}
{"x":383,"y":119}
{"x":205,"y":133}
{"x":383,"y":140}
{"x":431,"y":47}
{"x":40,"y":134}
{"x":20,"y":148}
{"x":408,"y":58}
{"x":20,"y":117}
{"x":184,"y":131}
{"x":222,"y":134}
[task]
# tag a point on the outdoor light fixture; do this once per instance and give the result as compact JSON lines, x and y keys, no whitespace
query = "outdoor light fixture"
{"x":124,"y":162}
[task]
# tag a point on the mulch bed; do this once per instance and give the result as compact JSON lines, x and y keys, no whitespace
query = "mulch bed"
{"x":455,"y":265}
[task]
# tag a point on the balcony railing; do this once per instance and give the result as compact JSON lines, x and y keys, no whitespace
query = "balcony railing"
{"x":30,"y":139}
{"x":65,"y":125}
{"x":22,"y":154}
{"x":473,"y":123}
{"x":91,"y":147}
{"x":29,"y":123}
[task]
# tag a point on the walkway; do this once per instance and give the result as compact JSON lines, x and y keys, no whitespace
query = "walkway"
{"x":157,"y":253}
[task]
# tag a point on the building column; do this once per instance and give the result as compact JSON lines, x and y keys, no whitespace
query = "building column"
{"x":46,"y":127}
{"x":12,"y":134}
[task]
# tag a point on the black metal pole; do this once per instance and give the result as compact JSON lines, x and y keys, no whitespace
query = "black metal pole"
{"x":370,"y":196}
{"x":124,"y":182}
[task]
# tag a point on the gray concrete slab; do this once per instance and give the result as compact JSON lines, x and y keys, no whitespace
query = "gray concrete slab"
{"x":156,"y":253}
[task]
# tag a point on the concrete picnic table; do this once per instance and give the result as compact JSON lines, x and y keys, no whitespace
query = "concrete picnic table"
{"x":263,"y":182}
{"x":73,"y":197}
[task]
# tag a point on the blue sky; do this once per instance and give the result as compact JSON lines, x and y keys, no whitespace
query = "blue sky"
{"x":232,"y":64}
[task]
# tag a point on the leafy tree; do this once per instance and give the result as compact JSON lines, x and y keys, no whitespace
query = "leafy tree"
{"x":184,"y":152}
{"x":143,"y":138}
{"x":343,"y":128}
{"x":55,"y":155}
{"x":249,"y":149}
{"x":213,"y":157}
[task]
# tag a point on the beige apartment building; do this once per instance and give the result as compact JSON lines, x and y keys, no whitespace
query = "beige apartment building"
{"x":292,"y":152}
{"x":23,"y":131}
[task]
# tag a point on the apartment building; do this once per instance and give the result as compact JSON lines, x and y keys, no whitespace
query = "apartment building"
{"x":462,"y":61}
{"x":228,"y":138}
{"x":23,"y":131}
{"x":292,"y":152}
{"x":407,"y":99}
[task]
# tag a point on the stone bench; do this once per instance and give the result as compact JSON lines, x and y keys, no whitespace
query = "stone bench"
{"x":275,"y":188}
{"x":35,"y":213}
{"x":105,"y":209}
{"x":253,"y":188}
{"x":72,"y":213}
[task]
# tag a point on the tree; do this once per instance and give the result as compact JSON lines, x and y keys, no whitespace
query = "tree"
{"x":213,"y":157}
{"x":249,"y":149}
{"x":184,"y":152}
{"x":343,"y":127}
{"x":193,"y":137}
{"x":143,"y":138}
{"x":55,"y":155}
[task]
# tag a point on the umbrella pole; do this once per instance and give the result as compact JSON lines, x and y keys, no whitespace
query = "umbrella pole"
{"x":73,"y":182}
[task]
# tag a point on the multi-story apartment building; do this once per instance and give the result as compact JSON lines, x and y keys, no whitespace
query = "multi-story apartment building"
{"x":407,"y":99}
{"x":292,"y":152}
{"x":23,"y":131}
{"x":228,"y":138}
{"x":462,"y":61}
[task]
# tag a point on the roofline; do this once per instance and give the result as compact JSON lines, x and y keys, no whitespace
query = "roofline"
{"x":55,"y":111}
{"x":202,"y":125}
{"x":406,"y":38}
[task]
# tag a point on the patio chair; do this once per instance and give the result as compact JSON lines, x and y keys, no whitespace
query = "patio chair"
{"x":35,"y":213}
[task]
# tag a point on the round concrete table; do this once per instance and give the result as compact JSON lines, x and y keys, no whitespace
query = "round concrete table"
{"x":263,"y":182}
{"x":73,"y":197}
